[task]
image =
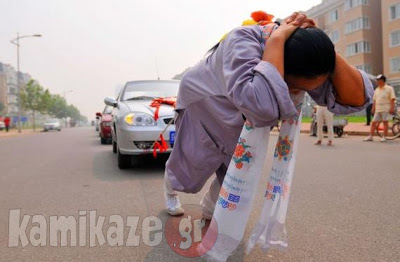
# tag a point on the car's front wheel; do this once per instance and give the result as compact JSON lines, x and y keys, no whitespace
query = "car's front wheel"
{"x":124,"y":161}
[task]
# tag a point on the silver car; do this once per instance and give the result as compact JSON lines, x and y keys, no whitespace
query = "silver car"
{"x":134,"y":128}
{"x":52,"y":124}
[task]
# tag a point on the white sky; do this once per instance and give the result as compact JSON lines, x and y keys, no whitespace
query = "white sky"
{"x":94,"y":46}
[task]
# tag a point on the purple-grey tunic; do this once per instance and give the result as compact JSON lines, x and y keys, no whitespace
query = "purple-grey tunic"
{"x":214,"y":96}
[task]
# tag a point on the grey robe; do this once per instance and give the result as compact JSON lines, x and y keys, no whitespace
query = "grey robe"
{"x":214,"y":96}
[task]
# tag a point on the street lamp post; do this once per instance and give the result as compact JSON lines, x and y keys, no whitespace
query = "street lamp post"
{"x":15,"y":41}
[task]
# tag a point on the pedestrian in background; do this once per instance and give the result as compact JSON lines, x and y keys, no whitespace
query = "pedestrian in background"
{"x":368,"y":112}
{"x":383,"y":107}
{"x":323,"y":115}
{"x":7,"y":121}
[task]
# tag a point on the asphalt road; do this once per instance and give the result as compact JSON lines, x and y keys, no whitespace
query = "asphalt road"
{"x":344,"y":204}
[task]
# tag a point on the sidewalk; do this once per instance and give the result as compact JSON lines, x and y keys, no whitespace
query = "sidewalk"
{"x":351,"y":129}
{"x":14,"y":132}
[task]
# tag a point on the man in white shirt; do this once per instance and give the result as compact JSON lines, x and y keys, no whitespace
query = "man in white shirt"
{"x":383,"y":107}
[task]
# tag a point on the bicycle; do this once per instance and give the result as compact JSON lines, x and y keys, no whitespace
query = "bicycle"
{"x":393,"y":130}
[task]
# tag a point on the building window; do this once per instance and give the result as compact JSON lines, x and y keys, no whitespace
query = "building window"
{"x":365,"y":68}
{"x":357,"y":24}
{"x":12,"y":99}
{"x":395,"y":38}
{"x":357,"y":48}
{"x":334,"y":36}
{"x":13,"y":110}
{"x":348,"y":4}
{"x":394,"y":12}
{"x":333,"y":16}
{"x":395,"y":64}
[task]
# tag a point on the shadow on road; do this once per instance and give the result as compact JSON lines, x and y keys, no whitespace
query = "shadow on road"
{"x":163,"y":252}
{"x":105,"y":166}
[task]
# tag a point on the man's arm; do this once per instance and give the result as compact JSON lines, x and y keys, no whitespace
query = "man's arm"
{"x":348,"y":83}
{"x":373,"y":107}
{"x":392,"y":106}
{"x":392,"y":101}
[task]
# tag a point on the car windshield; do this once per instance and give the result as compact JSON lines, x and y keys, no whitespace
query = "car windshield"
{"x":149,"y":90}
{"x":52,"y":121}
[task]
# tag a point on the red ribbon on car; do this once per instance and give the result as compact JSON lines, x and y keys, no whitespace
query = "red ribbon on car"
{"x":157,"y":102}
{"x":162,"y":147}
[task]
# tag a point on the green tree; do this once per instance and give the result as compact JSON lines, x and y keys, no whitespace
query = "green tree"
{"x":58,"y":107}
{"x":34,"y":98}
{"x":1,"y":107}
{"x":46,"y":100}
{"x":73,"y":112}
{"x":84,"y":119}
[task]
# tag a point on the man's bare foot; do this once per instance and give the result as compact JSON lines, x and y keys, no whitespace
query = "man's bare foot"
{"x":330,"y":143}
{"x":318,"y":143}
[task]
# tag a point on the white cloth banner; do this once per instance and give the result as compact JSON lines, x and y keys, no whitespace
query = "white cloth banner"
{"x":235,"y":200}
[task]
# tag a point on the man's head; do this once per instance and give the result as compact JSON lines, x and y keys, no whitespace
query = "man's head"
{"x":381,"y":79}
{"x":309,"y":58}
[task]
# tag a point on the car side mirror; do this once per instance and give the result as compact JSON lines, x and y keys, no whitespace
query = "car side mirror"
{"x":110,"y":101}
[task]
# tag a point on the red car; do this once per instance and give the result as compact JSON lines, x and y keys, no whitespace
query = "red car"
{"x":105,"y":119}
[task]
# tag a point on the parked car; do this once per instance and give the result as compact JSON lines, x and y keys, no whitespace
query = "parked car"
{"x":134,"y":128}
{"x":105,"y":124}
{"x":97,"y":124}
{"x":52,"y":124}
{"x":2,"y":125}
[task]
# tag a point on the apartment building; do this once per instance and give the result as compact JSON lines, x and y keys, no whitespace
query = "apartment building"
{"x":8,"y":88}
{"x":391,"y":42}
{"x":365,"y":32}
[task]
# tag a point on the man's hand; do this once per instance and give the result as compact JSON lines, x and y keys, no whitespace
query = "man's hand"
{"x":295,"y":17}
{"x":392,"y":106}
{"x":290,"y":24}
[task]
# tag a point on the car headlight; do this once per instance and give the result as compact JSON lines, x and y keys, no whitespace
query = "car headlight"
{"x":139,"y":119}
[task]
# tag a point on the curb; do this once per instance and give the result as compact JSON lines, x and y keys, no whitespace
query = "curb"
{"x":349,"y":133}
{"x":16,"y":134}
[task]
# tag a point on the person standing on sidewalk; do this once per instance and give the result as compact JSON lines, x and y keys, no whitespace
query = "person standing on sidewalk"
{"x":383,"y":107}
{"x":368,"y":112}
{"x":7,"y":121}
{"x":368,"y":109}
{"x":324,"y":115}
